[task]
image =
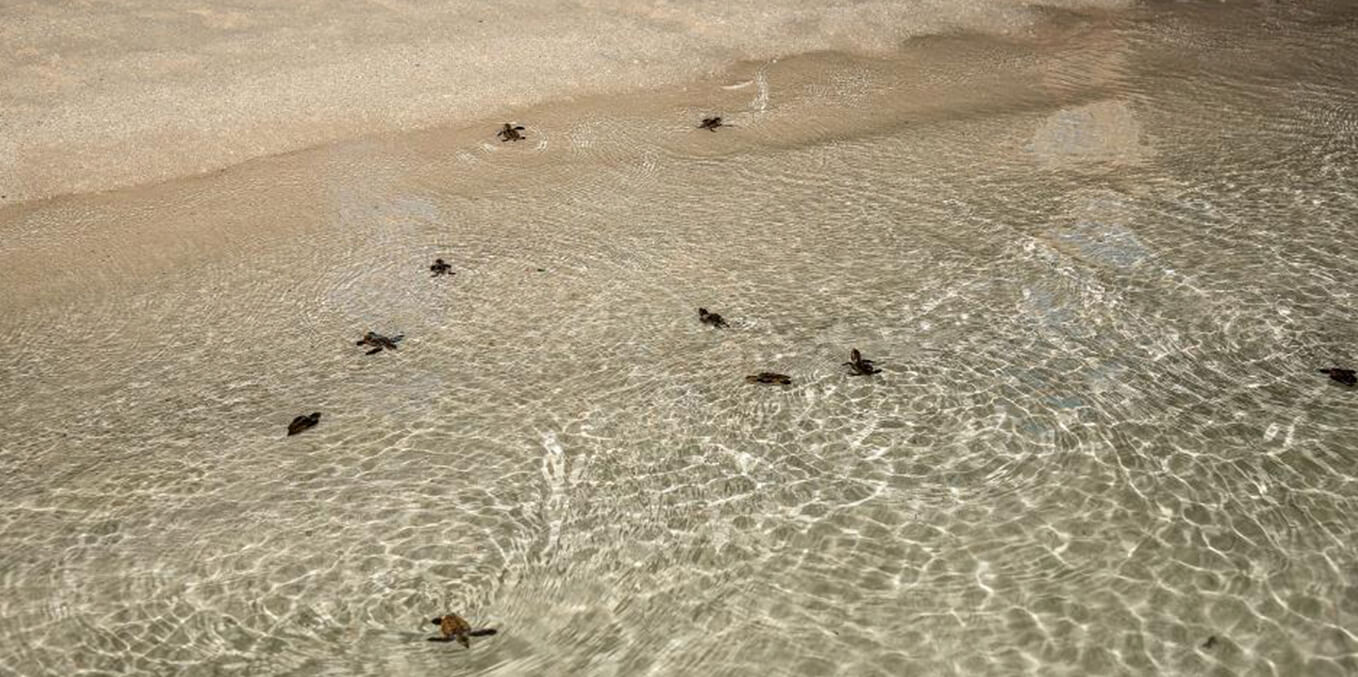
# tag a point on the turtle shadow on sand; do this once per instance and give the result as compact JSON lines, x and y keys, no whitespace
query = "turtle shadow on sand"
{"x":453,"y":628}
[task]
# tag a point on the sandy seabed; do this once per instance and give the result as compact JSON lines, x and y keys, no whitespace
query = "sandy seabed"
{"x":1095,"y":262}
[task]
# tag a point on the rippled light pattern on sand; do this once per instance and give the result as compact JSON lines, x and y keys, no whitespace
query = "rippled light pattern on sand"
{"x":1098,"y":298}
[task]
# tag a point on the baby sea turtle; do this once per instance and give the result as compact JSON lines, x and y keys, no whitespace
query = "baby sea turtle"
{"x":303,"y":423}
{"x":441,"y":268}
{"x":711,"y":124}
{"x":510,"y":133}
{"x":859,"y":366}
{"x":770,"y":377}
{"x":1345,"y":376}
{"x":378,"y":342}
{"x":1211,"y":642}
{"x":452,"y":627}
{"x":711,"y":318}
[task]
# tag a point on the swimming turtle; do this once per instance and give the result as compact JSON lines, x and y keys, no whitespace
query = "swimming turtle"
{"x":302,"y":423}
{"x":441,"y":268}
{"x":453,"y":627}
{"x":711,"y":318}
{"x":1345,"y":376}
{"x":859,"y":366}
{"x":769,"y":377}
{"x":510,"y":133}
{"x":378,"y":342}
{"x":711,"y":124}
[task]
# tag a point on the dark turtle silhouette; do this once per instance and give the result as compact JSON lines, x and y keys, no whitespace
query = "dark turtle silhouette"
{"x":510,"y":133}
{"x":859,"y":366}
{"x":711,"y":318}
{"x":1211,"y":642}
{"x":452,"y":627}
{"x":769,"y":377}
{"x":441,"y":268}
{"x":302,"y":423}
{"x":378,"y":342}
{"x":711,"y":124}
{"x":1345,"y":376}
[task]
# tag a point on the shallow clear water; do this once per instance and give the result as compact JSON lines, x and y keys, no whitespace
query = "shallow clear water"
{"x":1099,"y":294}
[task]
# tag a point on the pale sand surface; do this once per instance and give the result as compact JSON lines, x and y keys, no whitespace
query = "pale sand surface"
{"x":100,"y":94}
{"x":1097,"y":262}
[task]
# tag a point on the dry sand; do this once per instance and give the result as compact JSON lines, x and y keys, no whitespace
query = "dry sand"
{"x":95,"y":95}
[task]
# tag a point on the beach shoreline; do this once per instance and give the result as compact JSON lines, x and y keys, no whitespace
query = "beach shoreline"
{"x":132,"y":234}
{"x":187,"y":99}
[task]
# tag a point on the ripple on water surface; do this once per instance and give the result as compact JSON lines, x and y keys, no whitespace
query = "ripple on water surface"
{"x":1097,"y":440}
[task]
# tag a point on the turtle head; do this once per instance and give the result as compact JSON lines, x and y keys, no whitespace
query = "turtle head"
{"x":855,"y":355}
{"x":436,"y":621}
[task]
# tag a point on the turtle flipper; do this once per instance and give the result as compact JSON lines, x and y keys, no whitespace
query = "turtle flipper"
{"x":465,"y":641}
{"x":376,"y":350}
{"x":482,"y":632}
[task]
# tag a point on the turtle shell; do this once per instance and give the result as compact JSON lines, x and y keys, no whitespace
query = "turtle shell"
{"x":452,"y":625}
